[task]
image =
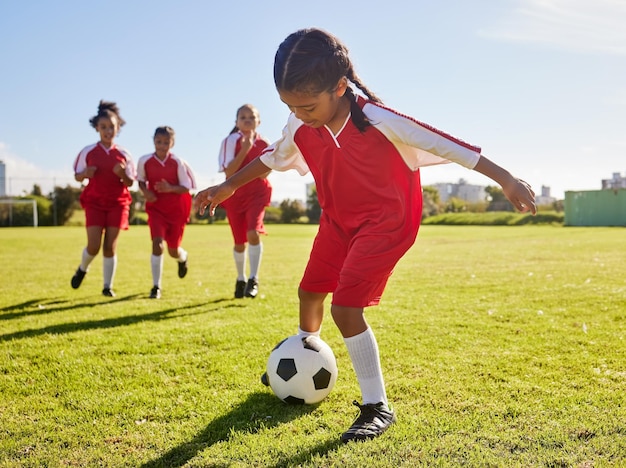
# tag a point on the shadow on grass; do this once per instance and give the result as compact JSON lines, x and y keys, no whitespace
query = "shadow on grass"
{"x":246,"y":417}
{"x":166,"y":314}
{"x":43,"y":306}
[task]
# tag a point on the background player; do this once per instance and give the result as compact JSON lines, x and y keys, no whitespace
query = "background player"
{"x":165,"y":181}
{"x":106,"y":198}
{"x":246,"y":209}
{"x":365,"y":160}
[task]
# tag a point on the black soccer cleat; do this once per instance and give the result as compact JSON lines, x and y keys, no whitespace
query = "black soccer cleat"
{"x":182,"y":269}
{"x":264,"y":380}
{"x":155,"y":293}
{"x":108,"y":292}
{"x":78,"y":277}
{"x":373,"y":420}
{"x":240,"y":287}
{"x":252,"y":288}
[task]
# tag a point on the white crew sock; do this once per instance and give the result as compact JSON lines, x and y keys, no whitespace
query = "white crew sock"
{"x":109,"y":264}
{"x":363,"y":351}
{"x":306,"y":333}
{"x":255,"y":252}
{"x":240,"y":263}
{"x":156,"y":264}
{"x":182,"y":255}
{"x":86,"y":260}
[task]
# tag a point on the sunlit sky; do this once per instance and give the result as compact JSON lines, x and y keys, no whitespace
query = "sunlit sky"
{"x":540,"y":85}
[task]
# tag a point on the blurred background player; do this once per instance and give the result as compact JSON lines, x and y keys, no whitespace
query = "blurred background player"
{"x":166,"y":182}
{"x":106,"y":198}
{"x":246,"y":209}
{"x":365,"y":160}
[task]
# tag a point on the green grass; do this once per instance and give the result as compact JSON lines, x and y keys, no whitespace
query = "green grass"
{"x":501,"y":346}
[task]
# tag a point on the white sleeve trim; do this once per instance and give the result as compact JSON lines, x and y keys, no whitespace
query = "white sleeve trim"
{"x":420,"y":144}
{"x":284,"y":154}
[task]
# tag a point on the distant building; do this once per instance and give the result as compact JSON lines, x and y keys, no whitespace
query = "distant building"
{"x":3,"y":179}
{"x":461,"y":190}
{"x":615,"y":183}
{"x":545,"y":198}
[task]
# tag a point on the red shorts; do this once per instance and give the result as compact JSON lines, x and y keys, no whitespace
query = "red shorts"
{"x":354,"y":268}
{"x":169,"y":230}
{"x":242,"y":221}
{"x":116,"y":216}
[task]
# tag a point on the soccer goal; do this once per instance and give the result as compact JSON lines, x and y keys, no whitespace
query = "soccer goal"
{"x":12,"y":201}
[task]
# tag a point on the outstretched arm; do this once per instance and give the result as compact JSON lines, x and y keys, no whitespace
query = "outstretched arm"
{"x":516,"y":190}
{"x":213,"y":196}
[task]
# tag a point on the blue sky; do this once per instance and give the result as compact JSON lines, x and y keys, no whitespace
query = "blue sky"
{"x":540,"y":85}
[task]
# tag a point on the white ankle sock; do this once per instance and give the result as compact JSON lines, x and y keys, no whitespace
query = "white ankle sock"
{"x":363,"y":351}
{"x":86,"y":260}
{"x":240,"y":264}
{"x":109,"y":264}
{"x":255,"y":252}
{"x":156,"y":264}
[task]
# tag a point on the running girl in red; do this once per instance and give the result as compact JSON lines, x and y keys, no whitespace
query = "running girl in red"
{"x":165,"y":181}
{"x":246,"y":208}
{"x":106,"y":199}
{"x":365,"y":160}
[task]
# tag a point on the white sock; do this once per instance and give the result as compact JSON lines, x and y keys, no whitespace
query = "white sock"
{"x":306,"y":333}
{"x":156,"y":264}
{"x":363,"y":351}
{"x":240,"y":263}
{"x":182,"y":255}
{"x":255,"y":252}
{"x":86,"y":260}
{"x":109,"y":264}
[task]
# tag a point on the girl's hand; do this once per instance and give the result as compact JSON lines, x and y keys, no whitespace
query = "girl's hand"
{"x":211,"y":197}
{"x":150,"y":196}
{"x":163,"y":186}
{"x":119,"y":169}
{"x":521,"y":195}
{"x":247,"y":140}
{"x":89,"y":171}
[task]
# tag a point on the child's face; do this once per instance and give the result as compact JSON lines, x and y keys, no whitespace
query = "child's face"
{"x":247,"y":120}
{"x":317,"y":110}
{"x":162,"y":145}
{"x":107,"y":128}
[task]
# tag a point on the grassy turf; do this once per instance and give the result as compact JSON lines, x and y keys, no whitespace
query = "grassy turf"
{"x":501,"y":346}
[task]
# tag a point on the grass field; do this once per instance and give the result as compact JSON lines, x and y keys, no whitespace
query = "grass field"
{"x":501,"y":346}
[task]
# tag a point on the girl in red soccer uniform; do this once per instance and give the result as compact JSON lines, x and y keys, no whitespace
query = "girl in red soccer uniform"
{"x":365,"y":159}
{"x":106,"y":198}
{"x":165,"y":181}
{"x":246,"y":208}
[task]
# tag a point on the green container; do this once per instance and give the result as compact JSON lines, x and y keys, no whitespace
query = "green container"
{"x":595,"y":208}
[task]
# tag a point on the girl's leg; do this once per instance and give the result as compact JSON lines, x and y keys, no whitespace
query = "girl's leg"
{"x":255,"y":252}
{"x":109,"y":260}
{"x":156,"y":263}
{"x":311,"y":311}
{"x":94,"y":238}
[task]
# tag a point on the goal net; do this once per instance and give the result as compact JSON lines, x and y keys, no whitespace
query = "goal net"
{"x":14,"y":212}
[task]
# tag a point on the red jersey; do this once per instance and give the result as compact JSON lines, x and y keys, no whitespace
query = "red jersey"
{"x":357,"y":175}
{"x":105,"y":189}
{"x":150,"y":169}
{"x":257,"y":188}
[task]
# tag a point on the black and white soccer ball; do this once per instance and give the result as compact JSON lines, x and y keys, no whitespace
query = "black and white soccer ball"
{"x":301,"y":370}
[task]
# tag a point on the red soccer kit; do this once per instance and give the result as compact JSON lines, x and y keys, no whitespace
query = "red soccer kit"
{"x":168,"y":215}
{"x":105,"y":199}
{"x":369,"y":189}
{"x":246,"y":208}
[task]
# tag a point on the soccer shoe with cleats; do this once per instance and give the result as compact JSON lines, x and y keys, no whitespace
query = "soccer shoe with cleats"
{"x":155,"y":293}
{"x":240,"y":287}
{"x":182,"y":269}
{"x":373,"y":420}
{"x":78,"y":277}
{"x":108,"y":292}
{"x":252,"y":288}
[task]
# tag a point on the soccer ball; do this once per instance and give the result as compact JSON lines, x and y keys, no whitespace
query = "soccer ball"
{"x":301,"y":370}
